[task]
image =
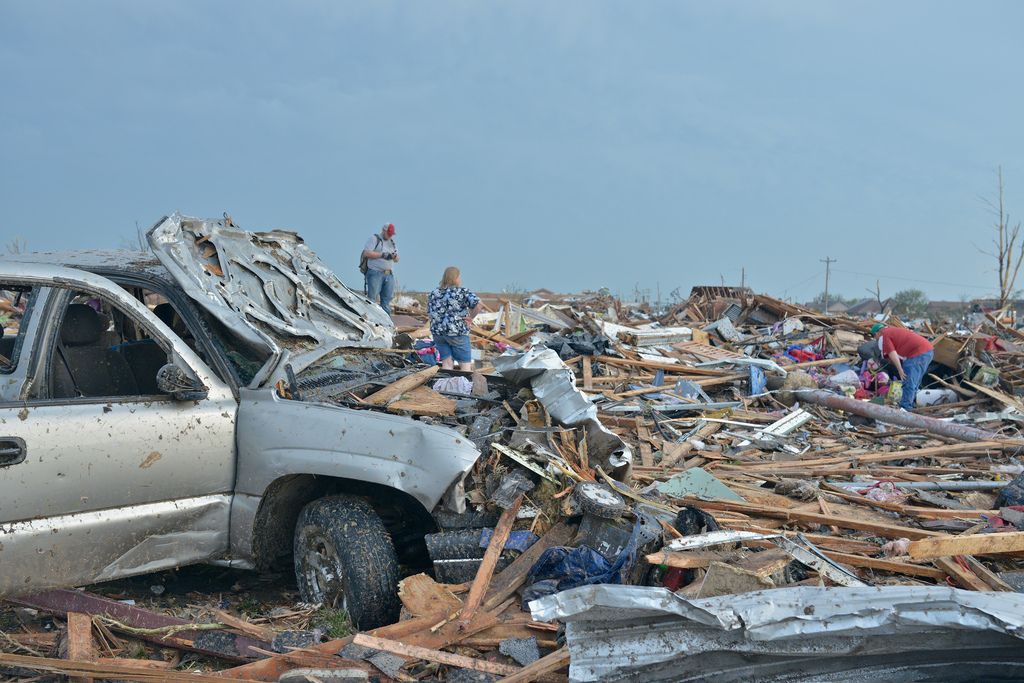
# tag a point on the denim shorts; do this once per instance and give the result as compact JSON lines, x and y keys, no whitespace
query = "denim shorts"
{"x":456,"y":347}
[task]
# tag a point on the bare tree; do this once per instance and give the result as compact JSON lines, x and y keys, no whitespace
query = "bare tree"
{"x":877,"y":291}
{"x":1009,"y":252}
{"x":16,"y":246}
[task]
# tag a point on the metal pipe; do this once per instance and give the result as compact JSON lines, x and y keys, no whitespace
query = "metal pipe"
{"x":927,"y":485}
{"x":901,"y":417}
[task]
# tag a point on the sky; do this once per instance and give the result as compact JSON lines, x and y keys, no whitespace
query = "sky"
{"x":639,"y":146}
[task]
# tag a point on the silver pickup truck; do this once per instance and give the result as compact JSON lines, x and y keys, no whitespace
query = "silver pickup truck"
{"x":145,"y":421}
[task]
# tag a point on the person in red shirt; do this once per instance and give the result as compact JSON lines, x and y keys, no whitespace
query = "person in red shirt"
{"x":909,"y":353}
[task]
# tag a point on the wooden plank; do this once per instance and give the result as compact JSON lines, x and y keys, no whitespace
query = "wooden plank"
{"x":643,"y":434}
{"x":490,"y":561}
{"x":684,"y":449}
{"x":512,"y":577}
{"x":975,"y":544}
{"x":447,"y":658}
{"x":677,"y":368}
{"x":80,"y":643}
{"x":106,"y":670}
{"x":588,"y":373}
{"x":688,"y":559}
{"x":423,"y":401}
{"x":964,"y":577}
{"x":399,"y":387}
{"x":543,"y":666}
{"x":987,"y":575}
{"x":881,"y":529}
{"x":886,"y":565}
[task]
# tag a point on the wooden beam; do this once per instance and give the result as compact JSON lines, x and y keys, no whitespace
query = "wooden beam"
{"x":886,"y":565}
{"x":588,"y":374}
{"x":545,"y":665}
{"x":399,"y":387}
{"x":513,"y":576}
{"x":964,"y":577}
{"x":80,"y":643}
{"x":416,"y":652}
{"x":105,"y":670}
{"x":976,"y":544}
{"x":885,"y":530}
{"x":489,"y":561}
{"x":423,"y":401}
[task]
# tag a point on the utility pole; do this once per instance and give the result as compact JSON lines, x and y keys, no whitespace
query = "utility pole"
{"x":743,"y":278}
{"x":828,"y":261}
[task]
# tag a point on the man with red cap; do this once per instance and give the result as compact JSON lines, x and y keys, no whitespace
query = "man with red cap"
{"x":377,"y":263}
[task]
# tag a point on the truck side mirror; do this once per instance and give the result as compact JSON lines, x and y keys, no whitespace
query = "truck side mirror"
{"x":171,"y":379}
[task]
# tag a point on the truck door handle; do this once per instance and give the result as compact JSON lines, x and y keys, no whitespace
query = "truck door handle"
{"x":12,"y":450}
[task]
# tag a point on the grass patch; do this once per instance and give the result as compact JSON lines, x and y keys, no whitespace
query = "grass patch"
{"x":335,"y":623}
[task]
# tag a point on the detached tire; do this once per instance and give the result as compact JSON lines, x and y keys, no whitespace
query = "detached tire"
{"x":344,"y":558}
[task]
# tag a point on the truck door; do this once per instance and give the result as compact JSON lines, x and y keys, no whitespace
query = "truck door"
{"x":102,"y":474}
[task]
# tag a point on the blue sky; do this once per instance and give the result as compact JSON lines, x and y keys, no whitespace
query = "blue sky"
{"x":565,"y":145}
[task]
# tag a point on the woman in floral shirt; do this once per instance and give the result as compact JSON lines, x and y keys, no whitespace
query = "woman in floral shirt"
{"x":451,"y":308}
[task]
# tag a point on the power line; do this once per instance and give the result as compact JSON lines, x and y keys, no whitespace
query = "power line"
{"x":910,"y":279}
{"x":802,"y":282}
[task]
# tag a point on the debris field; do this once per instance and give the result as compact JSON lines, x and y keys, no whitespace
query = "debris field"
{"x":731,"y":445}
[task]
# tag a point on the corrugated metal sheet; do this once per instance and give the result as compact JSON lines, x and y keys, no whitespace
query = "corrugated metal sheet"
{"x":890,"y":633}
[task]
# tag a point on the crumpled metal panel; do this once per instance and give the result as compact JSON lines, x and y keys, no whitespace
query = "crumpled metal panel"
{"x":270,"y":290}
{"x":554,"y":385}
{"x":639,"y":633}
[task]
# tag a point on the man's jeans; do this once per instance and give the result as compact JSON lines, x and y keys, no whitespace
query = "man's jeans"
{"x":914,"y":368}
{"x":380,"y":285}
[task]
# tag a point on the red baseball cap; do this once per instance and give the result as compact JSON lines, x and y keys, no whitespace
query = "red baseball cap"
{"x":389,"y":229}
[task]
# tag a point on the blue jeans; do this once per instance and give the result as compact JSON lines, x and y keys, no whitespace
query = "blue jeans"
{"x":914,"y":368}
{"x":380,"y":285}
{"x":455,"y":347}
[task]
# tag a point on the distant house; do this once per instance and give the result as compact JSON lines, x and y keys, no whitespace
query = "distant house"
{"x":837,"y":307}
{"x":866,"y":308}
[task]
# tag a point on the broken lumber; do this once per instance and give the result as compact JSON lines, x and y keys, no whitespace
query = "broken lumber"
{"x":107,"y":670}
{"x":400,"y":386}
{"x":513,"y":576}
{"x":490,"y":561}
{"x":80,"y":643}
{"x":416,"y":652}
{"x":976,"y":544}
{"x":545,"y":665}
{"x":423,"y":401}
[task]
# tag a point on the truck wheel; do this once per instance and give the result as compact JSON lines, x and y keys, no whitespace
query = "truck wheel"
{"x":344,"y":558}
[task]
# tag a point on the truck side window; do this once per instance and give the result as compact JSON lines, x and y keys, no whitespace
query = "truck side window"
{"x":103,"y":352}
{"x":15,"y":302}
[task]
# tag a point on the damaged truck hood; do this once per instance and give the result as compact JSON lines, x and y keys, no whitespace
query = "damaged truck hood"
{"x":270,"y":290}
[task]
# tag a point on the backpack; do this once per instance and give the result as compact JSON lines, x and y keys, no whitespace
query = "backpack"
{"x":363,"y":261}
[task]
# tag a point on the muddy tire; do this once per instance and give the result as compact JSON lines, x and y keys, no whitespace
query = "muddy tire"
{"x":344,"y":558}
{"x":599,"y":500}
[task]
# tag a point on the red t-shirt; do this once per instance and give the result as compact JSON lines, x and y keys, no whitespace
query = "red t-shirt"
{"x":905,"y":343}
